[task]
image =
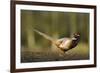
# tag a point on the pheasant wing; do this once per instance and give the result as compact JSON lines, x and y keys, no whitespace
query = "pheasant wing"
{"x":66,"y":44}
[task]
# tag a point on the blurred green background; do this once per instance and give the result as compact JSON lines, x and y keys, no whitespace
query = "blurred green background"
{"x":35,"y":48}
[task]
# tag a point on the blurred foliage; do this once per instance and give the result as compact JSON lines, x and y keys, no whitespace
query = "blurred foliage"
{"x":54,"y":24}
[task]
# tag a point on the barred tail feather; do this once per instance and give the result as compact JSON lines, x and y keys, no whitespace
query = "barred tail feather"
{"x":44,"y":35}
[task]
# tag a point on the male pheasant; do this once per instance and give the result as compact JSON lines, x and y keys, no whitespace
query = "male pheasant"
{"x":64,"y":44}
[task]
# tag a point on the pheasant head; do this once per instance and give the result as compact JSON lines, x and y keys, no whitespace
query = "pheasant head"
{"x":76,"y":36}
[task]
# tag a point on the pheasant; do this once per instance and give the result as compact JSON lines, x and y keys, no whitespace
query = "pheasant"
{"x":64,"y":44}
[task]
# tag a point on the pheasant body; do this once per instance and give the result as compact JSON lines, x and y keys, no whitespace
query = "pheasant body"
{"x":67,"y":43}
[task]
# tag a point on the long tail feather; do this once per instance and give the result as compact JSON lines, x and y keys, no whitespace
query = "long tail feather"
{"x":44,"y":35}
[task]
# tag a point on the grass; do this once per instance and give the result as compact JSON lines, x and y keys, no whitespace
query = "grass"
{"x":80,"y":52}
